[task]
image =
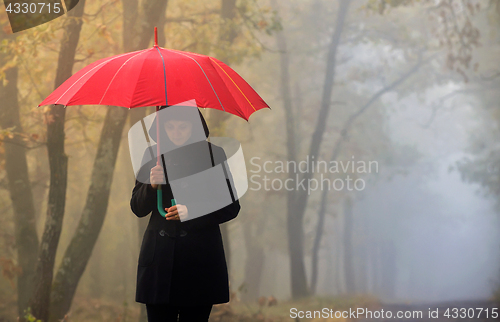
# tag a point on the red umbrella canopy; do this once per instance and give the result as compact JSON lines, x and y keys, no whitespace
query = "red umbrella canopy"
{"x":157,"y":77}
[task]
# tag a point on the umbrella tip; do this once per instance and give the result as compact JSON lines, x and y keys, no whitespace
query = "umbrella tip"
{"x":156,"y":37}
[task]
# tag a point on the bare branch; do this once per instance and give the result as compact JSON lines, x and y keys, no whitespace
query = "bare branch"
{"x":32,"y":147}
{"x":376,"y":96}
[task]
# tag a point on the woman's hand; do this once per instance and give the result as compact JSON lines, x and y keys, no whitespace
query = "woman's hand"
{"x":156,"y":176}
{"x":177,"y":212}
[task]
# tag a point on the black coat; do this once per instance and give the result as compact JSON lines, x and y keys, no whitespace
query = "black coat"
{"x":181,"y":263}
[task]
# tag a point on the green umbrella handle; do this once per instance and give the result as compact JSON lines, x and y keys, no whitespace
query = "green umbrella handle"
{"x":159,"y":199}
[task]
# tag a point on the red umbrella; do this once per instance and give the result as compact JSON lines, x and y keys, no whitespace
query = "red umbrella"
{"x":157,"y":77}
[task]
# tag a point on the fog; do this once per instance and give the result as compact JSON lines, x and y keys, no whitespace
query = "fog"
{"x":400,"y":99}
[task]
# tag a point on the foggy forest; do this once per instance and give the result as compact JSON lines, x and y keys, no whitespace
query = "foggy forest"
{"x":373,"y":178}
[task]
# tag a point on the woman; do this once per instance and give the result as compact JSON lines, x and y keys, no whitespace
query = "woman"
{"x":182,"y":268}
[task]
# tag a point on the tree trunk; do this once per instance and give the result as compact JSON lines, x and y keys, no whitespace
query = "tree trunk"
{"x":389,"y":271}
{"x":152,"y":12}
{"x":362,"y":264}
{"x":16,"y":167}
{"x":58,"y":164}
{"x":227,"y":32}
{"x":95,"y":272}
{"x":339,"y":278}
{"x":295,"y":225}
{"x":377,"y":267}
{"x":130,"y":8}
{"x":317,"y":240}
{"x":348,"y":254}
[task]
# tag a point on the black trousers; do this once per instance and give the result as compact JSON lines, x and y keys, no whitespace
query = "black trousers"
{"x":169,"y":313}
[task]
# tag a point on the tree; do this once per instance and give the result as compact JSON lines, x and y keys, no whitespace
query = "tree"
{"x":58,"y":162}
{"x":16,"y":167}
{"x":297,"y":205}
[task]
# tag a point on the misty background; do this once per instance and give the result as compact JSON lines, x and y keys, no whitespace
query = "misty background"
{"x":410,"y":85}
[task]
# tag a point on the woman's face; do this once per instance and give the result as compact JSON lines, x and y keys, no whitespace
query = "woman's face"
{"x":178,"y":131}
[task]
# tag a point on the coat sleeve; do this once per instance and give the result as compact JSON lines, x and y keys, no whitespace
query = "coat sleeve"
{"x":228,"y":212}
{"x":143,"y":199}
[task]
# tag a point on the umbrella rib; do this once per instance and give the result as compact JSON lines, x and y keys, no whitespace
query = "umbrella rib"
{"x":104,"y":62}
{"x":164,"y":76}
{"x":205,"y":77}
{"x":234,"y":84}
{"x":114,"y":76}
{"x":147,"y":139}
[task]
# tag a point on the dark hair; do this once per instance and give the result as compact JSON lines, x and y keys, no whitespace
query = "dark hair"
{"x":181,"y":113}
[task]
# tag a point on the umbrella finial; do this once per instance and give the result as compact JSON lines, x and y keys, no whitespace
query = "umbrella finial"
{"x":156,"y":37}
